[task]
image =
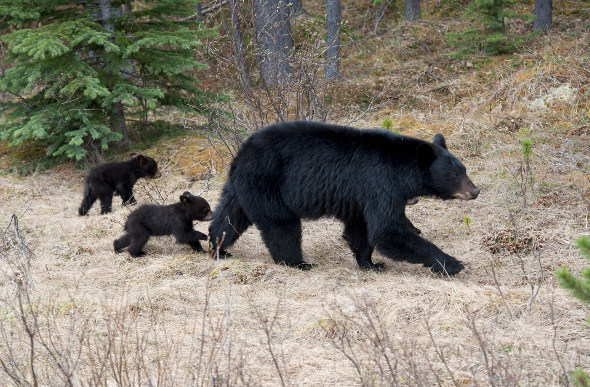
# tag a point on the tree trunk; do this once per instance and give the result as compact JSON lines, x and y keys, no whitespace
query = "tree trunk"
{"x":332,"y":38}
{"x":412,"y":10}
{"x":117,"y":115}
{"x":274,"y":40}
{"x":199,"y":10}
{"x":296,"y":7}
{"x":240,"y":53}
{"x":543,"y":15}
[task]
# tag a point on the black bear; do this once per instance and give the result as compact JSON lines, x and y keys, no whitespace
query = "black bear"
{"x":175,"y":219}
{"x":119,"y":176}
{"x":365,"y":178}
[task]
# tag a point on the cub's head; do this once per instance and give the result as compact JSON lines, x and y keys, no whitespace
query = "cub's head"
{"x":445,"y":175}
{"x":147,"y":166}
{"x":196,"y":207}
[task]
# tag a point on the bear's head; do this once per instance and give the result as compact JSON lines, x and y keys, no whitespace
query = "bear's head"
{"x":147,"y":166}
{"x":196,"y":207}
{"x":446,"y":177}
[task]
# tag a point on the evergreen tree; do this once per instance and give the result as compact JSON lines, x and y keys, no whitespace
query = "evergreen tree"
{"x":75,"y":67}
{"x":492,"y":37}
{"x":580,"y":288}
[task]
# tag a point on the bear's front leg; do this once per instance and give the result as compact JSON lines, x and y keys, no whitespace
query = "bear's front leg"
{"x":408,"y":246}
{"x":191,"y":238}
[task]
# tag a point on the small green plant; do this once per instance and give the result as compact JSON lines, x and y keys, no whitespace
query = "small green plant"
{"x":525,"y":175}
{"x":526,"y":148}
{"x":387,"y":123}
{"x":467,"y":221}
{"x":580,"y":288}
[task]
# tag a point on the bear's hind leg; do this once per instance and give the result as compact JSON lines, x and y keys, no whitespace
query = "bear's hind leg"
{"x":355,"y":234}
{"x":88,"y":200}
{"x":121,"y":243}
{"x":138,"y":239}
{"x":283,"y":240}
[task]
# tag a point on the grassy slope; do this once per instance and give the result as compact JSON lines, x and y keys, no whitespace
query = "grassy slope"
{"x":480,"y":320}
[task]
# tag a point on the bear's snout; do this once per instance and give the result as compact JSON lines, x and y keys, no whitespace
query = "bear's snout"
{"x":467,"y":191}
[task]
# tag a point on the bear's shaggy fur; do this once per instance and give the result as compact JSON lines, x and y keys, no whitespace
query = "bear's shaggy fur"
{"x":119,"y":176}
{"x":175,"y":219}
{"x":365,"y":178}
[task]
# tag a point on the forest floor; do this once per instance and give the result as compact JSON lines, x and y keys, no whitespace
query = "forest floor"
{"x":175,"y":317}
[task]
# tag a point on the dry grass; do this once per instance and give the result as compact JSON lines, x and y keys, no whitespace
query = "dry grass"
{"x":469,"y":329}
{"x":179,"y":318}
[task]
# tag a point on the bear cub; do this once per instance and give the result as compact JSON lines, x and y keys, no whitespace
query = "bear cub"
{"x":119,"y":176}
{"x":175,"y":219}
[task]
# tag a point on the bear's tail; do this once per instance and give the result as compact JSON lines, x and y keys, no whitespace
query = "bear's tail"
{"x":229,"y":220}
{"x":88,"y":200}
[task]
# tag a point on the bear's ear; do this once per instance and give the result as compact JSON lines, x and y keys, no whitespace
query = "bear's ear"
{"x":425,"y":155}
{"x":185,"y":198}
{"x":141,"y":159}
{"x":439,"y":139}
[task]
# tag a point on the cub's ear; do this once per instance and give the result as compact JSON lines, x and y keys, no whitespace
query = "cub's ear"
{"x":425,"y":155}
{"x":141,"y":159}
{"x":186,"y":197}
{"x":439,"y":139}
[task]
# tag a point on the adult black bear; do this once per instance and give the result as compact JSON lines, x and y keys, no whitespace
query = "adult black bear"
{"x":118,"y":176}
{"x":175,"y":219}
{"x":296,"y":170}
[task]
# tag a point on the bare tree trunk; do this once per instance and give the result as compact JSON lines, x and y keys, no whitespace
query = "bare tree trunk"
{"x":117,"y":116}
{"x":543,"y":17}
{"x":274,"y":40}
{"x":296,"y":7}
{"x":199,"y":10}
{"x":412,"y":10}
{"x":240,"y":53}
{"x":332,"y":38}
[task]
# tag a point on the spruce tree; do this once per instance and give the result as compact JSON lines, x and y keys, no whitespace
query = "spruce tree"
{"x":580,"y":288}
{"x":491,"y":36}
{"x":75,"y":69}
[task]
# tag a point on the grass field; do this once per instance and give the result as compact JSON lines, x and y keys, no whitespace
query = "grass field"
{"x":72,"y":312}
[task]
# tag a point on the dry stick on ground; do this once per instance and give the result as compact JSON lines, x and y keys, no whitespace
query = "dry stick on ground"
{"x":21,"y":278}
{"x":554,"y":338}
{"x":268,"y":325}
{"x":370,"y":107}
{"x":500,"y":289}
{"x":534,"y":285}
{"x":439,"y":352}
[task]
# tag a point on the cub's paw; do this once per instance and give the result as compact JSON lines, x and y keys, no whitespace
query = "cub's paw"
{"x":379,"y":267}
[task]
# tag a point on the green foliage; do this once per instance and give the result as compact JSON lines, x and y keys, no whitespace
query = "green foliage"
{"x":580,"y":378}
{"x":67,"y":70}
{"x":492,"y":37}
{"x":387,"y":123}
{"x":526,"y":149}
{"x":580,"y":288}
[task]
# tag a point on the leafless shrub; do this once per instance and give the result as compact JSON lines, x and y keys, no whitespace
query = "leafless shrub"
{"x":57,"y":340}
{"x":362,"y":336}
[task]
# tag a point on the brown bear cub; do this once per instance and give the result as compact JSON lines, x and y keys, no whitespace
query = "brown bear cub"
{"x":119,"y":176}
{"x":175,"y":219}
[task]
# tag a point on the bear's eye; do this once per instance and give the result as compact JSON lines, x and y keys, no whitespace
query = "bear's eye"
{"x":454,"y":176}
